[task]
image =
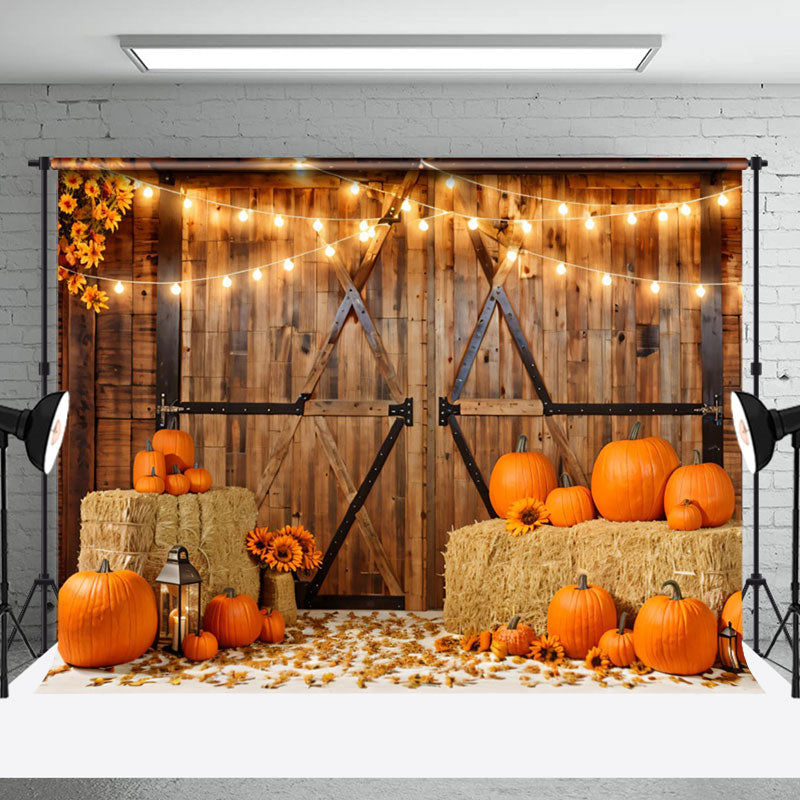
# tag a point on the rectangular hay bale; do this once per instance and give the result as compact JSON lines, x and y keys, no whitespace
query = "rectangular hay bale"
{"x":491,"y":575}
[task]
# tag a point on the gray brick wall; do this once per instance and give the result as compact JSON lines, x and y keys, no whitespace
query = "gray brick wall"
{"x":400,"y":120}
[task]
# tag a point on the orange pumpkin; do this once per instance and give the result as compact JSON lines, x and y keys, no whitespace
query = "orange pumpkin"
{"x":148,"y":461}
{"x":708,"y":486}
{"x":272,"y":626}
{"x":199,"y":479}
{"x":617,"y":644}
{"x":177,"y":447}
{"x":176,"y":483}
{"x":520,"y":474}
{"x":676,"y":635}
{"x":630,"y":476}
{"x":105,"y":617}
{"x":569,"y":505}
{"x":732,"y":615}
{"x":150,"y":484}
{"x":684,"y":517}
{"x":579,"y":614}
{"x":200,"y":646}
{"x":234,"y":619}
{"x":516,"y":636}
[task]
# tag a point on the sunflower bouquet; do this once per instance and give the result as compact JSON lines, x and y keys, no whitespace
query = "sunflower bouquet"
{"x":90,"y":206}
{"x":289,"y":549}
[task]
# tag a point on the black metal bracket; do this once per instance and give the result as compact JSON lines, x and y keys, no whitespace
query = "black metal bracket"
{"x":404,"y":410}
{"x":446,"y":408}
{"x":636,"y":409}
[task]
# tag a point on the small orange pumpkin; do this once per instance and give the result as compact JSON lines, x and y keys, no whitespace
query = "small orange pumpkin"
{"x":199,"y":479}
{"x":148,"y":461}
{"x":517,"y":636}
{"x":200,"y":646}
{"x":569,"y":505}
{"x":177,"y":447}
{"x":234,"y":619}
{"x":272,"y":626}
{"x":176,"y":483}
{"x":617,"y":644}
{"x":708,"y":486}
{"x":150,"y":484}
{"x":520,"y":474}
{"x":684,"y":517}
{"x":579,"y":614}
{"x":732,"y":615}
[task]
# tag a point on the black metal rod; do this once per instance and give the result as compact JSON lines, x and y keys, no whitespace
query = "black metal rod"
{"x":795,"y":606}
{"x":44,"y":166}
{"x":4,"y":644}
{"x":473,"y":470}
{"x":626,"y":409}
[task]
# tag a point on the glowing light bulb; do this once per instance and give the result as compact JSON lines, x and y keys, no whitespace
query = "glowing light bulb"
{"x":147,"y":191}
{"x":317,"y":226}
{"x":118,"y":287}
{"x":561,"y":269}
{"x":423,"y":225}
{"x":663,"y":216}
{"x":654,"y":287}
{"x":511,"y":255}
{"x":450,"y":182}
{"x":371,"y":232}
{"x":187,"y":203}
{"x":354,"y":188}
{"x":299,"y":163}
{"x":589,"y":223}
{"x":526,"y":226}
{"x":227,"y":282}
{"x":363,"y":236}
{"x":700,"y":291}
{"x":723,"y":201}
{"x":288,"y":265}
{"x":329,"y":251}
{"x":606,"y":280}
{"x":363,"y":225}
{"x":257,"y":274}
{"x":278,"y":220}
{"x":243,"y":216}
{"x":563,"y":210}
{"x":685,"y":210}
{"x":632,"y":218}
{"x":472,"y":224}
{"x":406,"y":205}
{"x":175,"y":288}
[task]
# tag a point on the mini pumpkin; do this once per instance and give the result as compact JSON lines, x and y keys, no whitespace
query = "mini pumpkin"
{"x":684,"y":517}
{"x":199,"y":479}
{"x":177,"y":447}
{"x":520,"y":474}
{"x":569,"y":505}
{"x":234,"y":619}
{"x":150,"y":484}
{"x":517,"y":636}
{"x":675,"y":634}
{"x":579,"y":614}
{"x":708,"y":486}
{"x":148,"y":462}
{"x":732,"y":615}
{"x":272,"y":626}
{"x":617,"y":644}
{"x":176,"y":483}
{"x":200,"y":646}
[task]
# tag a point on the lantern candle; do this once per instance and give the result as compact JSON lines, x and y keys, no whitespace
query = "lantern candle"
{"x":178,"y":628}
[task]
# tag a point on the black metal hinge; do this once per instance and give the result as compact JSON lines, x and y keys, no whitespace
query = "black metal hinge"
{"x":446,"y":409}
{"x":404,"y":410}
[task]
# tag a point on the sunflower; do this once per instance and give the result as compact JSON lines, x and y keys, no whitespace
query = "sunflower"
{"x":124,"y":196}
{"x":67,"y":203}
{"x":526,"y":515}
{"x":75,"y":283}
{"x":284,"y":553}
{"x":72,"y":180}
{"x":95,"y":299}
{"x":63,"y":273}
{"x":91,"y":189}
{"x":71,"y":254}
{"x":91,"y":253}
{"x":597,"y":660}
{"x":79,"y":230}
{"x":312,"y":557}
{"x":257,"y":542}
{"x":547,"y":649}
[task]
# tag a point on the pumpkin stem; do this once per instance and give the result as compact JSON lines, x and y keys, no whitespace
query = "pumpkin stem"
{"x":152,"y":472}
{"x":196,"y":465}
{"x":512,"y":625}
{"x":687,"y":502}
{"x":522,"y":443}
{"x":582,"y":582}
{"x":229,"y":592}
{"x":621,"y":629}
{"x":565,"y":481}
{"x":676,"y":590}
{"x":635,"y":430}
{"x":698,"y":459}
{"x":104,"y":566}
{"x":148,"y":446}
{"x":175,"y":470}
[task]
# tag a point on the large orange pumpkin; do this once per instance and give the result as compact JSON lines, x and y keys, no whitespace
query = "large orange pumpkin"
{"x":708,"y":486}
{"x":234,"y":619}
{"x":517,"y":636}
{"x":732,"y":615}
{"x":177,"y":447}
{"x":520,"y":474}
{"x":676,"y":635}
{"x":148,"y":461}
{"x":617,"y":644}
{"x":105,"y":617}
{"x":630,"y":476}
{"x":569,"y":505}
{"x":579,"y":614}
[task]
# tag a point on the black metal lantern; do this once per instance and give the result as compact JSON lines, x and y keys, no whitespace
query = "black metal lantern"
{"x":179,"y":601}
{"x":729,"y":648}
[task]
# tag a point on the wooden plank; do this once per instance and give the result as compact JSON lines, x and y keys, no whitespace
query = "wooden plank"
{"x":506,"y":407}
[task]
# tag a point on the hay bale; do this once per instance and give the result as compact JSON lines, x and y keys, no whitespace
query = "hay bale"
{"x":136,"y":531}
{"x":491,"y":575}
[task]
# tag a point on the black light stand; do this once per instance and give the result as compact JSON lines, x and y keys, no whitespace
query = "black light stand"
{"x":756,"y":580}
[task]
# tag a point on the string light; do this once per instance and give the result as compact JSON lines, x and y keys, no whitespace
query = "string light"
{"x":329,"y":251}
{"x":257,"y":274}
{"x":354,"y":188}
{"x":187,"y":203}
{"x":589,"y":223}
{"x":472,"y":224}
{"x":563,"y":210}
{"x":175,"y":288}
{"x":632,"y":219}
{"x":511,"y":255}
{"x":118,"y":287}
{"x":700,"y":291}
{"x":663,"y":216}
{"x":606,"y":280}
{"x":685,"y":210}
{"x":363,"y":236}
{"x":423,"y":225}
{"x":561,"y":269}
{"x":371,"y":232}
{"x":227,"y":282}
{"x":363,"y":225}
{"x":288,"y":265}
{"x":317,"y":226}
{"x":278,"y":221}
{"x":147,"y":191}
{"x":526,"y":226}
{"x":406,"y":205}
{"x":450,"y":182}
{"x":654,"y":287}
{"x":243,"y":215}
{"x":722,"y":200}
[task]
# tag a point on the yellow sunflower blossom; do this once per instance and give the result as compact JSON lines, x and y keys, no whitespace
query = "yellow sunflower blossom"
{"x":597,"y":660}
{"x":107,"y":190}
{"x":284,"y":554}
{"x":91,"y":189}
{"x":547,"y":649}
{"x":111,"y":219}
{"x":75,"y":282}
{"x":526,"y":515}
{"x":257,"y":542}
{"x":71,"y":254}
{"x":124,"y":196}
{"x":67,"y":203}
{"x":63,"y":273}
{"x":312,"y":557}
{"x":72,"y":180}
{"x":99,"y":211}
{"x":91,"y":253}
{"x":95,"y":299}
{"x":79,"y":230}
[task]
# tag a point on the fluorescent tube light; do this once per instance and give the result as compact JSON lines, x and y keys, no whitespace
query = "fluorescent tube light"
{"x":414,"y":54}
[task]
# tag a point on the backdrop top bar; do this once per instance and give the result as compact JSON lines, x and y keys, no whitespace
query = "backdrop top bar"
{"x":404,"y":164}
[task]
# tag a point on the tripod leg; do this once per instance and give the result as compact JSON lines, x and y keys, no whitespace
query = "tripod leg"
{"x":781,"y":627}
{"x":777,"y":611}
{"x":15,"y":622}
{"x":22,"y":613}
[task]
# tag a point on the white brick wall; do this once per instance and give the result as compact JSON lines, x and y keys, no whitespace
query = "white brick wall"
{"x":397,"y":120}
